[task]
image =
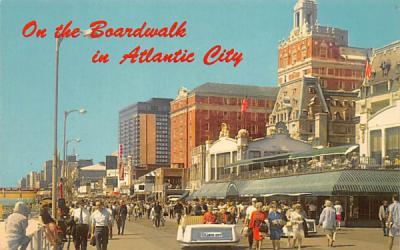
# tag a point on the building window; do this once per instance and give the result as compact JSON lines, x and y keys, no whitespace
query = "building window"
{"x":376,"y":146}
{"x":392,"y":141}
{"x":254,"y":154}
{"x":297,"y":19}
{"x":323,"y":51}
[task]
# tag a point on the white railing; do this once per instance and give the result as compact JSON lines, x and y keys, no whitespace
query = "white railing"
{"x":39,"y":241}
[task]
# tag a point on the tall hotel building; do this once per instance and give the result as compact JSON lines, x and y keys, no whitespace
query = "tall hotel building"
{"x":197,"y":115}
{"x":144,"y":132}
{"x":318,"y":75}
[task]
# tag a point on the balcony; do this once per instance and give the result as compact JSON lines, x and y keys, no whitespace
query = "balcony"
{"x":309,"y":168}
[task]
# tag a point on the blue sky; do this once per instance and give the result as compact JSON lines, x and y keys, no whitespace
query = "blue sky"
{"x":27,"y":64}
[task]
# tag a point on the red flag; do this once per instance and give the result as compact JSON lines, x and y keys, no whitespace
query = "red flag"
{"x":245,"y":105}
{"x":368,"y":69}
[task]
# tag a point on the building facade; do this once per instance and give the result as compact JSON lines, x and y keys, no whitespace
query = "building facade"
{"x":306,"y":108}
{"x":196,"y":115}
{"x":226,"y":150}
{"x":378,"y":108}
{"x":144,"y":132}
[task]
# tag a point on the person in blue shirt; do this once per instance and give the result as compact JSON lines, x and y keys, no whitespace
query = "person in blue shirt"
{"x":275,"y":225}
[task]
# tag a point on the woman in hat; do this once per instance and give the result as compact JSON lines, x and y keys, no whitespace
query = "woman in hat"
{"x":327,"y":220}
{"x":256,"y":220}
{"x":16,"y":225}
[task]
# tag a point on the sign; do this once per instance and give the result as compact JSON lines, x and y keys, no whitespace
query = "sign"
{"x":121,"y":171}
{"x":120,"y":151}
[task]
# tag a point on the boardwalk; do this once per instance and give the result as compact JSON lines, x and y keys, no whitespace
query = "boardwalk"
{"x":142,"y":235}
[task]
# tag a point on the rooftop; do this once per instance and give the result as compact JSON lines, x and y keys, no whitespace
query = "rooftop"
{"x":210,"y":88}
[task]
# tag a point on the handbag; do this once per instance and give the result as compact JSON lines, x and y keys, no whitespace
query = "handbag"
{"x":263,"y":228}
{"x":93,"y":241}
{"x":245,"y":231}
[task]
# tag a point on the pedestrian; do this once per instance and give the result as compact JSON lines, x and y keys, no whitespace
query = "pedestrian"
{"x":289,"y":226}
{"x":394,"y":220}
{"x":296,"y":219}
{"x":250,"y":209}
{"x":275,"y":226}
{"x":157,"y":214}
{"x":383,"y":216}
{"x":148,"y":210}
{"x":198,"y":209}
{"x":16,"y":225}
{"x":100,"y":221}
{"x":339,"y":209}
{"x":256,"y":220}
{"x":312,"y":211}
{"x":110,"y":226}
{"x":178,"y":210}
{"x":81,"y":217}
{"x":209,"y":217}
{"x":327,"y":220}
{"x":122,"y":212}
{"x":50,"y":227}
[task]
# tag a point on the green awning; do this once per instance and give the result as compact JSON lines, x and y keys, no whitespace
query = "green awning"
{"x":218,"y":190}
{"x":339,"y":150}
{"x":342,"y":182}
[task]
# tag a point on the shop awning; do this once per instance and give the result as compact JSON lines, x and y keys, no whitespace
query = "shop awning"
{"x":184,"y":195}
{"x":219,"y":190}
{"x":339,"y":150}
{"x":342,"y":182}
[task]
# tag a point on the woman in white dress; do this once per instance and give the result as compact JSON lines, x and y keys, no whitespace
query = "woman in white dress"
{"x":297,"y":224}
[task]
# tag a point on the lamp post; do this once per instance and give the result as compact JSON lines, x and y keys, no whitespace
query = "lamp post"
{"x":85,"y":33}
{"x":66,"y":113}
{"x":67,"y":179}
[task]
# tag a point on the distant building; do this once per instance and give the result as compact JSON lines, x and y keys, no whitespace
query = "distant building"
{"x":196,"y":115}
{"x":22,"y":183}
{"x":378,"y":108}
{"x":317,"y":73}
{"x":111,"y":162}
{"x":47,"y":172}
{"x":28,"y":181}
{"x":144,"y":132}
{"x":197,"y":171}
{"x":34,"y":180}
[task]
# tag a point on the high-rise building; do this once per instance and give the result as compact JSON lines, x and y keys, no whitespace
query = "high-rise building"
{"x":34,"y":179}
{"x":28,"y":181}
{"x":47,"y":172}
{"x":22,"y":183}
{"x":318,"y":73}
{"x":197,"y":115}
{"x":144,"y":132}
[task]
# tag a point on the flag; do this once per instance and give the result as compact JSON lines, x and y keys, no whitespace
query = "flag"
{"x":245,"y":105}
{"x":368,"y":69}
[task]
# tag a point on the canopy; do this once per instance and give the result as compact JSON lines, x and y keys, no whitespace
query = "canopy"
{"x":339,"y":150}
{"x":342,"y":182}
{"x":218,"y":190}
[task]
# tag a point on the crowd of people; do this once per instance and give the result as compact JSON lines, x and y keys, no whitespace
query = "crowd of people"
{"x":90,"y":222}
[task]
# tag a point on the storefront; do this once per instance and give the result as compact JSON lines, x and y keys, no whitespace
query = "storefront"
{"x":360,"y":192}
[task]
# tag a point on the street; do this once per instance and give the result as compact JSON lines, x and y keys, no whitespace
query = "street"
{"x":142,"y":234}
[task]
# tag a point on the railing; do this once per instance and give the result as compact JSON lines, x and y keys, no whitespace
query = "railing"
{"x":39,"y":241}
{"x":282,"y":171}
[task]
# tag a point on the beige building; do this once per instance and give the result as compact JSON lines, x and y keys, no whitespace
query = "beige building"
{"x":378,"y":108}
{"x":318,"y":73}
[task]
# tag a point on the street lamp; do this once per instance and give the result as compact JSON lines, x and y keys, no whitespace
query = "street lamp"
{"x":85,"y":33}
{"x":66,"y":113}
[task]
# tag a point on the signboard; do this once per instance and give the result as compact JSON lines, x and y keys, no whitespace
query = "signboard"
{"x":211,"y":234}
{"x":120,"y":151}
{"x":121,"y":171}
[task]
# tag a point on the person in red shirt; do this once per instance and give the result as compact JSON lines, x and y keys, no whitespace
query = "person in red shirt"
{"x":209,"y":217}
{"x":256,"y":219}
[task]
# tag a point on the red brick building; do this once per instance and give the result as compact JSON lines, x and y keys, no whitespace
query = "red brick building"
{"x":196,"y":115}
{"x":318,"y":74}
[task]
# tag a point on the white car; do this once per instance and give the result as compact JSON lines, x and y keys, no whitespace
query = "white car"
{"x":192,"y":233}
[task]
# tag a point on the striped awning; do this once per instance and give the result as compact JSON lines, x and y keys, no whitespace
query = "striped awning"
{"x":342,"y":182}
